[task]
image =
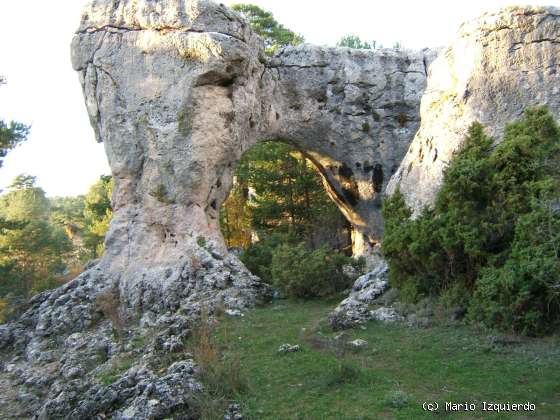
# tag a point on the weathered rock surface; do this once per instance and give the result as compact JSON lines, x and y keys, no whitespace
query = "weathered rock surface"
{"x":500,"y":64}
{"x":178,"y":90}
{"x":61,"y":359}
{"x":288,"y":348}
{"x":354,"y":310}
{"x":358,"y":343}
{"x":371,"y":285}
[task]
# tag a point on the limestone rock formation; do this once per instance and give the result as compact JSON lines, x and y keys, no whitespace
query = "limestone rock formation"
{"x":500,"y":64}
{"x":354,"y":310}
{"x":177,"y":91}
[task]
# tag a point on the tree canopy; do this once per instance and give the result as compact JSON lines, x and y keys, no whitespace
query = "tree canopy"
{"x":354,"y":41}
{"x":11,"y":134}
{"x":273,"y":33}
{"x":278,"y":190}
{"x":98,"y":213}
{"x":32,"y":251}
{"x":45,"y":241}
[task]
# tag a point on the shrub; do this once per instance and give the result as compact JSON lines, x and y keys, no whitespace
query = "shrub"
{"x":485,"y":233}
{"x":109,"y":304}
{"x":219,"y":371}
{"x":258,"y":257}
{"x":4,"y":310}
{"x":201,"y":241}
{"x":524,"y":294}
{"x":343,"y":373}
{"x":300,"y":273}
{"x":397,"y":399}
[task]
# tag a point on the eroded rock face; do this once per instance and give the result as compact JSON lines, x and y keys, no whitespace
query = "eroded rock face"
{"x":500,"y":64}
{"x":178,"y":90}
{"x":354,"y":310}
{"x":164,"y":82}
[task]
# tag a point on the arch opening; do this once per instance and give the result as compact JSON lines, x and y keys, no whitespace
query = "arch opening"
{"x":279,"y":190}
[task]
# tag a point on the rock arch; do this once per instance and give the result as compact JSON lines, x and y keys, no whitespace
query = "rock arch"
{"x":178,"y":90}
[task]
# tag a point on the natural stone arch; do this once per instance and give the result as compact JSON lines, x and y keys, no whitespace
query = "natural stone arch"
{"x":178,"y":89}
{"x":352,"y":112}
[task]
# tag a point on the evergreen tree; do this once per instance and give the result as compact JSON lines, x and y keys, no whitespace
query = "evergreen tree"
{"x":274,"y":34}
{"x":354,"y":41}
{"x":97,"y":215}
{"x":491,"y":240}
{"x":32,"y":251}
{"x":277,"y":190}
{"x":11,"y":134}
{"x":68,"y":213}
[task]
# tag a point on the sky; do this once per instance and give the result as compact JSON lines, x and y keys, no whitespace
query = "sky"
{"x":44,"y":91}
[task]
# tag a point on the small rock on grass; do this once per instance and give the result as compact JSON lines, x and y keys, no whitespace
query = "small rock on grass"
{"x":358,"y":343}
{"x":234,"y":412}
{"x":288,"y":348}
{"x":233,"y":312}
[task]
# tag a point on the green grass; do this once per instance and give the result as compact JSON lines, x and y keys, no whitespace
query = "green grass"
{"x":401,"y":368}
{"x":114,"y":371}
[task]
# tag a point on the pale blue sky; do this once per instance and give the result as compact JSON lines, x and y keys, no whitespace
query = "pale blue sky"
{"x":44,"y":91}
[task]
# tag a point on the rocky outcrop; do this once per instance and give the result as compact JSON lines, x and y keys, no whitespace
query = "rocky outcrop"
{"x":355,"y":310}
{"x":179,"y":90}
{"x":500,"y":64}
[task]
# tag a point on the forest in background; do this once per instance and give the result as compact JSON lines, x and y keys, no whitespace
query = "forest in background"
{"x":44,"y":241}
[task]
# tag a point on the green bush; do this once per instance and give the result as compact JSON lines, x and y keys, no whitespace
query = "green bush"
{"x":524,"y":294}
{"x":397,"y":399}
{"x":300,"y":273}
{"x":258,"y":257}
{"x":484,"y":235}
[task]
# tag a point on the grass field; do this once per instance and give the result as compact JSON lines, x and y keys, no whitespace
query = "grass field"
{"x":401,"y":368}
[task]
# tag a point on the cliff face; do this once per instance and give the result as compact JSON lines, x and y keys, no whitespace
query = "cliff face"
{"x":177,"y":90}
{"x":499,"y":64}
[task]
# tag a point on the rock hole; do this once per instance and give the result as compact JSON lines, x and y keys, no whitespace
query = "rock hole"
{"x":345,"y":171}
{"x":377,"y":178}
{"x":351,"y":196}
